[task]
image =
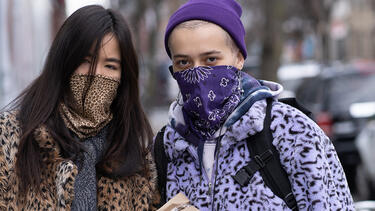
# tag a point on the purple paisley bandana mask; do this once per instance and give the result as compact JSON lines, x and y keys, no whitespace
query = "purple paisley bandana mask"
{"x":209,"y":94}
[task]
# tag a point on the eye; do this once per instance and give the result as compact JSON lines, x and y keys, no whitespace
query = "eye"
{"x":211,"y":59}
{"x":182,"y":62}
{"x":111,"y":67}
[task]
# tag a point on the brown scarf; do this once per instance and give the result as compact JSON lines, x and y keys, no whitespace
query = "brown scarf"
{"x":88,"y":118}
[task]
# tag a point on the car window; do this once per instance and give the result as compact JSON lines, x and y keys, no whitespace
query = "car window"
{"x":348,"y":89}
{"x":309,"y":93}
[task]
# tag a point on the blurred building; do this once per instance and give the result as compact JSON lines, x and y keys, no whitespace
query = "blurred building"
{"x":26,"y":30}
{"x":362,"y":30}
{"x":352,"y":30}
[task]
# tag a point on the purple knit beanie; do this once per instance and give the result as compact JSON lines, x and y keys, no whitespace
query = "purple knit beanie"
{"x":225,"y":13}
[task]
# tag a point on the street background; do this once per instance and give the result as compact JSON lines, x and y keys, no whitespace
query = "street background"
{"x":307,"y":45}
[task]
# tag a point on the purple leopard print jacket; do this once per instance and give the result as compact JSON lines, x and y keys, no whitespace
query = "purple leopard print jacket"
{"x":307,"y":155}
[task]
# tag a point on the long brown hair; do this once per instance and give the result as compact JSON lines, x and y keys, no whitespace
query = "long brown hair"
{"x":129,"y":132}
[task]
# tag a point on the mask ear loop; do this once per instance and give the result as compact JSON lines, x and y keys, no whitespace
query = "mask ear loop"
{"x":240,"y":88}
{"x":178,"y":99}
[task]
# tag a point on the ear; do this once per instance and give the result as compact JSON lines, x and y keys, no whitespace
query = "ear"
{"x":239,"y":61}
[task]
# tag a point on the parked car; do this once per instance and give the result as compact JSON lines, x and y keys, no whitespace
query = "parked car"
{"x":332,"y":97}
{"x":292,"y":75}
{"x":364,"y":206}
{"x":365,"y":143}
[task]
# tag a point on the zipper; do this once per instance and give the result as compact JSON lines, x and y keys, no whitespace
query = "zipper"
{"x":208,"y":180}
{"x":214,"y":174}
{"x":211,"y":187}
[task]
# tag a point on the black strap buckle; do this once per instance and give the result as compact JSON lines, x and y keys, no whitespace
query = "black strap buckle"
{"x":290,"y":201}
{"x":259,"y":161}
{"x":242,"y":177}
{"x":263,"y":159}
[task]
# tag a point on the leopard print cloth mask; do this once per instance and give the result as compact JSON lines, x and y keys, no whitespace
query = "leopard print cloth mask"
{"x":88,"y":118}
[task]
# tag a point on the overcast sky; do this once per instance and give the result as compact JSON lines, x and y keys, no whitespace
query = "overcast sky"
{"x":73,"y":5}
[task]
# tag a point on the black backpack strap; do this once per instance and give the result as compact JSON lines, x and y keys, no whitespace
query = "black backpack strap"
{"x":161,"y":162}
{"x":265,"y":159}
{"x":294,"y":102}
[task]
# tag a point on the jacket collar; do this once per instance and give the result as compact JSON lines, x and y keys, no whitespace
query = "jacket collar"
{"x":248,"y":124}
{"x":50,"y":150}
{"x":246,"y":120}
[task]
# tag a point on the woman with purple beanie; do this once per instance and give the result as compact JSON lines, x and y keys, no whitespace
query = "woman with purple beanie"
{"x":220,"y":108}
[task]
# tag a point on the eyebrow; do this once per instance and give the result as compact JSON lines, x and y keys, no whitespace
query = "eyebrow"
{"x":202,"y":54}
{"x":209,"y":53}
{"x":113,"y":60}
{"x":179,"y":55}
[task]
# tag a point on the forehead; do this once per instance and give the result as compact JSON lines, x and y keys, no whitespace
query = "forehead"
{"x":110,"y":46}
{"x":201,"y":37}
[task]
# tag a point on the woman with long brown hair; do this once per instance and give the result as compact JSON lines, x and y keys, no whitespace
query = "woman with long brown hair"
{"x":77,"y":137}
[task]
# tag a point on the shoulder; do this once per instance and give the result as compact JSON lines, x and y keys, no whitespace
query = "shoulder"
{"x":309,"y":158}
{"x":9,"y":138}
{"x":9,"y":127}
{"x":294,"y":131}
{"x":151,"y":168}
{"x":8,"y":117}
{"x":286,"y":117}
{"x":141,"y":188}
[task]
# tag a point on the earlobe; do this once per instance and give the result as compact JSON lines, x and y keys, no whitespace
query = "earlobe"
{"x":239,"y":61}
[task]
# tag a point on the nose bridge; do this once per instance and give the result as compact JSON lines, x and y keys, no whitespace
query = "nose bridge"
{"x":197,"y":62}
{"x":98,"y":69}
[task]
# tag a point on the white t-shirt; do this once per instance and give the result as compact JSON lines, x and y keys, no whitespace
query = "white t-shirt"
{"x":209,"y":157}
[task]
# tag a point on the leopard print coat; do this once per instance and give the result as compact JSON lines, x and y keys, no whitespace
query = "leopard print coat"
{"x":57,"y":187}
{"x":307,"y":155}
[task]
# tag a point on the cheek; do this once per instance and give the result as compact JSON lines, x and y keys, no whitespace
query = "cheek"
{"x":117,"y":74}
{"x":229,"y":59}
{"x":82,"y":69}
{"x":239,"y":60}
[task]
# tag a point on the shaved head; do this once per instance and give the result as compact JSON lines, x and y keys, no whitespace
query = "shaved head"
{"x":194,"y":24}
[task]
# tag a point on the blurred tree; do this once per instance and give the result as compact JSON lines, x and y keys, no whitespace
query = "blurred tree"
{"x":272,"y":40}
{"x":318,"y":11}
{"x":272,"y":22}
{"x":145,"y":19}
{"x":58,"y":15}
{"x":264,"y":28}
